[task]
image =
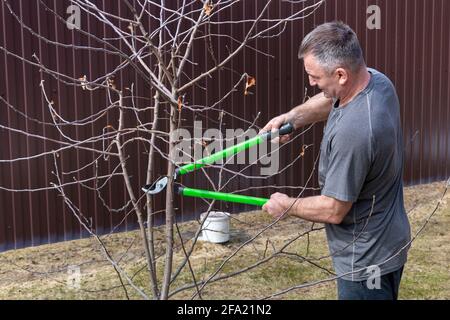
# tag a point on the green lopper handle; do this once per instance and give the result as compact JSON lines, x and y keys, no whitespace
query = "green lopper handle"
{"x":228,"y":152}
{"x":228,"y":197}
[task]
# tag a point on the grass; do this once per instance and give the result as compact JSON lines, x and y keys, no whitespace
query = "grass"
{"x":42,"y":272}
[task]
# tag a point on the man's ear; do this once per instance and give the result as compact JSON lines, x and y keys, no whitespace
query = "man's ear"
{"x":342,"y":76}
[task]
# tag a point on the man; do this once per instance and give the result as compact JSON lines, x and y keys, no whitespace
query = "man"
{"x":360,"y":167}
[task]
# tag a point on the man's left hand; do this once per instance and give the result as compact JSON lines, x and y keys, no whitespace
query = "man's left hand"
{"x":277,"y":205}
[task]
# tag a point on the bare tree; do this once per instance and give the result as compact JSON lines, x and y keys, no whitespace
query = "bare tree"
{"x":156,"y":40}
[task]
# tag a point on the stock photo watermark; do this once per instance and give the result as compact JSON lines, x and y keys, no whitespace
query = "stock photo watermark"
{"x":74,"y":277}
{"x":374,"y":280}
{"x":374,"y":20}
{"x":73,"y":22}
{"x":190,"y":148}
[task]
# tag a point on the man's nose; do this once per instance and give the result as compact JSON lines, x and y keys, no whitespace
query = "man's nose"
{"x":312,"y":83}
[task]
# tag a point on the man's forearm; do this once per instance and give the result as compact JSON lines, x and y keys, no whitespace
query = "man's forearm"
{"x":320,"y":209}
{"x":314,"y":110}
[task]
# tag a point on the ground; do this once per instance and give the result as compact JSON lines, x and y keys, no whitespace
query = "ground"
{"x":45,"y":272}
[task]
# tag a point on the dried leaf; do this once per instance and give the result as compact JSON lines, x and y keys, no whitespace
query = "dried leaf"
{"x":205,"y":145}
{"x":302,"y":154}
{"x":111,"y":83}
{"x":83,"y":80}
{"x":208,"y":7}
{"x":251,"y":81}
{"x":109,"y":127}
{"x":180,"y":103}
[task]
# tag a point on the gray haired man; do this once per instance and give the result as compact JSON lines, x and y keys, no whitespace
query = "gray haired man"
{"x":360,"y":167}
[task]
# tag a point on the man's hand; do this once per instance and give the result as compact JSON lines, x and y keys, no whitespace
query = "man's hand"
{"x":275,"y":124}
{"x":277,"y":205}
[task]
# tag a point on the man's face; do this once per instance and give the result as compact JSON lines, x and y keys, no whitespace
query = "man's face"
{"x":328,"y":83}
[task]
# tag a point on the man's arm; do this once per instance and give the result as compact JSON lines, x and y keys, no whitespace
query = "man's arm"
{"x":322,"y":209}
{"x":314,"y":110}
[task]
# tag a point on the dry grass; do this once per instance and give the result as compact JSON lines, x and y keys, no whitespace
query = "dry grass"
{"x":41,"y":272}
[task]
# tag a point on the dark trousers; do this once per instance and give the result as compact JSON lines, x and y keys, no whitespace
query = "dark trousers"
{"x":360,"y":290}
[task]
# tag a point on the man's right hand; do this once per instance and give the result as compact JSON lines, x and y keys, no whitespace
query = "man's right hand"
{"x":275,"y":124}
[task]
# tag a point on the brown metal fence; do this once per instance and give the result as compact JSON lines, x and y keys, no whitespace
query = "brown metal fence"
{"x":412,"y":48}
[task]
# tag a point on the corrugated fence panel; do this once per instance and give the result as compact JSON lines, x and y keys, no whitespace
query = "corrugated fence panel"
{"x":412,"y":48}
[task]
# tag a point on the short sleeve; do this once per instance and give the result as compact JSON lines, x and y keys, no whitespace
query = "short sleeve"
{"x":349,"y":163}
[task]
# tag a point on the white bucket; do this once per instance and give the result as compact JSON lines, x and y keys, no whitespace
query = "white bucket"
{"x":216,"y":228}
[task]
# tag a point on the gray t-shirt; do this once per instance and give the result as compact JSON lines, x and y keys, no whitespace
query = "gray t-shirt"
{"x":361,"y":161}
